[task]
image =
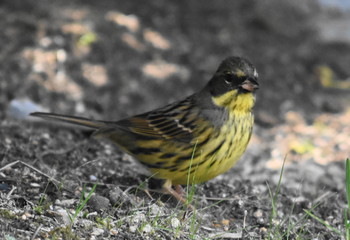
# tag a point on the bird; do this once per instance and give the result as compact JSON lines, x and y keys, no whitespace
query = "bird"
{"x":191,"y":140}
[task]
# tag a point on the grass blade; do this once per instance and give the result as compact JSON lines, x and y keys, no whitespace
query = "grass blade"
{"x":347,"y":181}
{"x":274,"y":197}
{"x":322,"y":222}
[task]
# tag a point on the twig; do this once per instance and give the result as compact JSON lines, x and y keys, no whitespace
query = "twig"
{"x":9,"y":165}
{"x":10,"y":193}
{"x":36,"y":232}
{"x":325,"y":195}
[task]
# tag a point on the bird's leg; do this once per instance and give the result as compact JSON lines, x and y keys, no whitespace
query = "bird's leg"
{"x":177,"y":193}
{"x":179,"y":189}
{"x":167,"y":189}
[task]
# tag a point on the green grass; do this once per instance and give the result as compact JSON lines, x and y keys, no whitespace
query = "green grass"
{"x":82,"y":202}
{"x":308,"y":212}
{"x":66,"y":232}
{"x":39,"y":209}
{"x":273,"y":231}
{"x":191,"y":188}
{"x":43,"y":204}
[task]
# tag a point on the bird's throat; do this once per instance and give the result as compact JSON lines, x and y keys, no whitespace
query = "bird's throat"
{"x":235,"y":101}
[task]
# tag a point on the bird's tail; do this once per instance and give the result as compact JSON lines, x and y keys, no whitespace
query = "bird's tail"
{"x":90,"y":123}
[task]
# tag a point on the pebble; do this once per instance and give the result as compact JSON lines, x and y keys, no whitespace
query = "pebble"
{"x":64,"y":218}
{"x":133,"y":228}
{"x":139,"y":218}
{"x":258,"y":213}
{"x":36,"y":185}
{"x":113,"y":232}
{"x":93,"y":178}
{"x":155,"y":210}
{"x":147,"y":228}
{"x":116,"y":196}
{"x":65,"y":203}
{"x":175,"y":223}
{"x":97,"y":232}
{"x":98,"y":202}
{"x":86,"y":223}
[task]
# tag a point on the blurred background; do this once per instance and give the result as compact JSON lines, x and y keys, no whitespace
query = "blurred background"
{"x":110,"y":59}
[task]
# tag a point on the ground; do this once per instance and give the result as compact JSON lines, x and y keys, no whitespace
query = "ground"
{"x":112,"y":59}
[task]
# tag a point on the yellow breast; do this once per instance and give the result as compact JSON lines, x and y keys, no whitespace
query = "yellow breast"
{"x":214,"y":150}
{"x":221,"y":152}
{"x":226,"y":145}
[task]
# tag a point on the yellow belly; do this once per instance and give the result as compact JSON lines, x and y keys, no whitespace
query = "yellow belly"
{"x":233,"y":138}
{"x":215,"y":157}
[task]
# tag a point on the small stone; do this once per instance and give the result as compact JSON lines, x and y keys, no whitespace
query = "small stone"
{"x":133,"y":228}
{"x":108,"y":150}
{"x":92,"y":214}
{"x":86,"y":223}
{"x":98,"y":202}
{"x":139,"y":218}
{"x":28,"y":215}
{"x":93,"y":178}
{"x":155,"y":209}
{"x":45,"y":135}
{"x":64,"y":218}
{"x":113,"y":232}
{"x":225,"y":222}
{"x":147,"y":228}
{"x":258,"y":213}
{"x":97,"y":232}
{"x":175,"y":223}
{"x":117,"y":196}
{"x":8,"y":141}
{"x":65,"y":203}
{"x":36,"y":185}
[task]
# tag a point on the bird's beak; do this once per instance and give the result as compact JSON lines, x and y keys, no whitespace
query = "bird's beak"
{"x":250,"y":85}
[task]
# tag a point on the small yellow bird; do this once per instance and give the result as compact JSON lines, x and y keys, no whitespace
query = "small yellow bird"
{"x":192,"y":140}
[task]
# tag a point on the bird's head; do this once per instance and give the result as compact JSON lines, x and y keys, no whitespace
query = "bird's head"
{"x":234,"y":84}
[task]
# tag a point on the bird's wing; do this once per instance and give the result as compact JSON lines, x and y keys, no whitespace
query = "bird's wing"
{"x":175,"y":122}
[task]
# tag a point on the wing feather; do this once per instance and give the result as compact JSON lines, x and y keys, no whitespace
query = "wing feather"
{"x":167,"y":123}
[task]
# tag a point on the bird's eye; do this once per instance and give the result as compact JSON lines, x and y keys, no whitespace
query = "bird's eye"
{"x":233,"y":78}
{"x":229,"y":77}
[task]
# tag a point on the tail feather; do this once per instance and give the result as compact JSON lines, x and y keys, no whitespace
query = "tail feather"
{"x":71,"y":119}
